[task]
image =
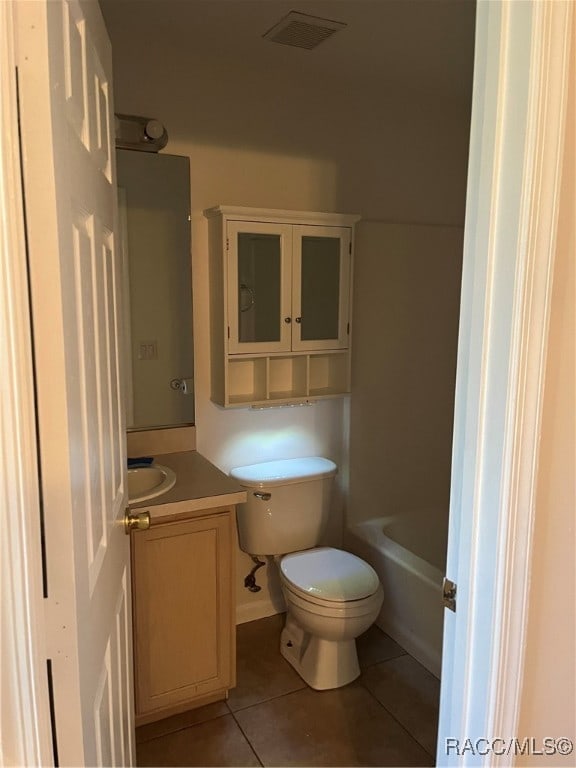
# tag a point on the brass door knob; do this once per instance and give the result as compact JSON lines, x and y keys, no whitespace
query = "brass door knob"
{"x":139,"y":521}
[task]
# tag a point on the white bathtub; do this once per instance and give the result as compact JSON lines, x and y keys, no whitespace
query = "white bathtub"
{"x":412,"y":612}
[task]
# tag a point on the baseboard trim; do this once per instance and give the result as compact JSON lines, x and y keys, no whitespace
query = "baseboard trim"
{"x":177,"y":709}
{"x":259,"y":609}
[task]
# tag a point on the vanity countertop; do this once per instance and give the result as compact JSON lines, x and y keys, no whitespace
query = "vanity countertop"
{"x":199,"y":486}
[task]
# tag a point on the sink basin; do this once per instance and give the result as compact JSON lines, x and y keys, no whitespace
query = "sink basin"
{"x":148,"y":482}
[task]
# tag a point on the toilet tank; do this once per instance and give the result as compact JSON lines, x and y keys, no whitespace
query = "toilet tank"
{"x":288,"y":504}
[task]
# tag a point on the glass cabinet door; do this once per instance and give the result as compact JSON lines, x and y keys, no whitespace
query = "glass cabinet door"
{"x":321,"y":270}
{"x":259,"y":258}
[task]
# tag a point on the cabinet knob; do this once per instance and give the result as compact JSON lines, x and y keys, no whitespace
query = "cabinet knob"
{"x":287,"y":319}
{"x":298,"y":319}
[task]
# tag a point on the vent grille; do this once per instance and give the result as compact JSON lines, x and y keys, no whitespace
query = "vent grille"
{"x":303,"y":31}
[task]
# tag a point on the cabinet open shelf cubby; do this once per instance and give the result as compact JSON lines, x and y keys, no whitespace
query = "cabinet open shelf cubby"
{"x":247,"y":380}
{"x":287,"y":377}
{"x":328,"y":374}
{"x":269,"y":379}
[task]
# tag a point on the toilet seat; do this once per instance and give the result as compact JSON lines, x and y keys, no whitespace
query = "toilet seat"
{"x":349,"y":610}
{"x":328,"y":577}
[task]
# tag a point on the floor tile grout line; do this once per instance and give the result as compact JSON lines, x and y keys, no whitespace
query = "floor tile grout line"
{"x":393,"y":716}
{"x":383,"y":661}
{"x":271,"y":698}
{"x":252,"y":747}
{"x":302,"y":687}
{"x":255,"y":704}
{"x":229,"y":711}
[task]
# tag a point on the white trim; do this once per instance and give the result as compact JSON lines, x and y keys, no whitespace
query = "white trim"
{"x":537,"y":239}
{"x":260,"y":609}
{"x":513,"y":187}
{"x":280,"y":216}
{"x":25,"y":732}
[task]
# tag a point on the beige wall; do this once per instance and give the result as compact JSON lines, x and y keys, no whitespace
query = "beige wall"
{"x":549,"y":693}
{"x":258,"y":139}
{"x":406,"y":308}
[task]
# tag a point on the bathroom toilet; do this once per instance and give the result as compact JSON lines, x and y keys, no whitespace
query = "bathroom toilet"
{"x":331,"y":596}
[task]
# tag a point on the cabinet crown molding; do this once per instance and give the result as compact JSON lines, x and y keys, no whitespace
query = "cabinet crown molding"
{"x":277,"y":215}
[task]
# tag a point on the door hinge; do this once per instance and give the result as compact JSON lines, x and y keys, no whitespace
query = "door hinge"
{"x":348,"y":328}
{"x":228,"y":331}
{"x":227,"y":243}
{"x":449,"y":594}
{"x":350,"y":248}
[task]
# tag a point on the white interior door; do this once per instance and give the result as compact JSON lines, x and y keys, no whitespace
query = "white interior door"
{"x":65,"y":80}
{"x":520,"y":88}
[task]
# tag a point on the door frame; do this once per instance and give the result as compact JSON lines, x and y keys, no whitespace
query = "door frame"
{"x":25,"y":723}
{"x":515,"y":165}
{"x":490,"y":697}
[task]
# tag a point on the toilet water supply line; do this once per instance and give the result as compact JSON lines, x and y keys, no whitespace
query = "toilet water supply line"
{"x":250,"y":580}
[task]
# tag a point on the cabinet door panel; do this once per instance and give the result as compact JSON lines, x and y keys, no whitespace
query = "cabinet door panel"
{"x":182,"y":613}
{"x":320,"y":288}
{"x":258,"y":287}
{"x":321,"y":284}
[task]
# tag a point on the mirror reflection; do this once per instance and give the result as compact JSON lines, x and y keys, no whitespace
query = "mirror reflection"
{"x":154,"y":206}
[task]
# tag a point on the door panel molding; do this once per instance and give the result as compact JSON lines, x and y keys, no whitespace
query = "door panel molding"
{"x":71,"y":206}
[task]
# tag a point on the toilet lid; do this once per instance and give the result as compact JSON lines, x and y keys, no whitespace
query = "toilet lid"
{"x":330,"y":574}
{"x":283,"y":472}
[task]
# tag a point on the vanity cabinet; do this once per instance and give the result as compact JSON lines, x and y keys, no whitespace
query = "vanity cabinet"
{"x":183,"y":602}
{"x":280,"y":297}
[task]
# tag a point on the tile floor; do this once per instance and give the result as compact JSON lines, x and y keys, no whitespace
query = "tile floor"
{"x":388,"y":717}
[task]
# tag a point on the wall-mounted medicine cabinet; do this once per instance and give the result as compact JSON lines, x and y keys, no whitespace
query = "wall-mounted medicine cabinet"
{"x":280,"y":301}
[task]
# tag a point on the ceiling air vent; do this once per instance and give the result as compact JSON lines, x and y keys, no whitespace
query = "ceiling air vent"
{"x":302,"y":31}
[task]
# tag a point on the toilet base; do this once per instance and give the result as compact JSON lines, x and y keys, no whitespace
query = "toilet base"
{"x":322,"y":664}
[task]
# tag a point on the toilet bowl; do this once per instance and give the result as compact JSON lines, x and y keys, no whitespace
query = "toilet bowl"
{"x":331,"y":596}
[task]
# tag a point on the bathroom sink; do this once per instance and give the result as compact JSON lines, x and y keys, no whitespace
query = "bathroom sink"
{"x":148,"y":482}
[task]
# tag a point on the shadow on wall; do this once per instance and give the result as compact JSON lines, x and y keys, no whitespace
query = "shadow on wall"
{"x":396,"y":131}
{"x":407,"y":300}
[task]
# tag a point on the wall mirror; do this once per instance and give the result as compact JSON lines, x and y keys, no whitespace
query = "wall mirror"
{"x":154,"y":209}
